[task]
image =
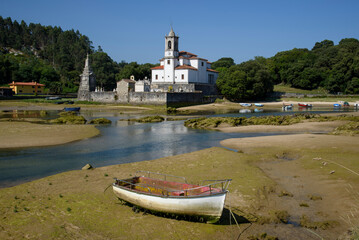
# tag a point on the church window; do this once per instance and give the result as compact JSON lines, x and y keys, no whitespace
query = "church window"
{"x":211,"y":78}
{"x":156,"y":76}
{"x":202,"y":64}
{"x":168,"y":62}
{"x":169,"y":44}
{"x":182,"y":77}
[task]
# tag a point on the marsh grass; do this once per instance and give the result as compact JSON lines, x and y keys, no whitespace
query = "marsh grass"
{"x":69,"y":119}
{"x":100,"y":121}
{"x":147,"y":119}
{"x":352,"y":217}
{"x":306,"y":222}
{"x":215,"y":122}
{"x":351,"y":129}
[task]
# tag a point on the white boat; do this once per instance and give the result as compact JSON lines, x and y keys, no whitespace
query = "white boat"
{"x":258,"y":104}
{"x":245,"y":104}
{"x":156,"y":193}
{"x":245,"y":111}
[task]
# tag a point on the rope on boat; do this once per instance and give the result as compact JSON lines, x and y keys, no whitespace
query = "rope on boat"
{"x":107,"y":188}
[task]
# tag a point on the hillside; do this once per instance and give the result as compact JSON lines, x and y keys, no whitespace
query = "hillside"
{"x":55,"y":57}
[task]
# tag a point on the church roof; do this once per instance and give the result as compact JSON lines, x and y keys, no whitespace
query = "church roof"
{"x":186,"y":67}
{"x":129,"y":80}
{"x":211,"y":70}
{"x":187,"y":53}
{"x":158,"y":67}
{"x":198,"y":58}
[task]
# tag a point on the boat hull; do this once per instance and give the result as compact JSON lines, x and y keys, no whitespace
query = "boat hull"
{"x":208,"y":207}
{"x":73,"y":109}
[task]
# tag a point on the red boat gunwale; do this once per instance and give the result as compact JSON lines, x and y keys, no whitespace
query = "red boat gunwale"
{"x":170,"y":189}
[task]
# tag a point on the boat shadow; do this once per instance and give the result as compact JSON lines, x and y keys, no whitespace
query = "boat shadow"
{"x":227,"y":218}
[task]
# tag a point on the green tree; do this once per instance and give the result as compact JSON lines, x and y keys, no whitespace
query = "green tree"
{"x":226,"y":62}
{"x":248,"y":80}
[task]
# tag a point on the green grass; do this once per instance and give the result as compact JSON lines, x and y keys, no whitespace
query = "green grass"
{"x":333,"y":99}
{"x":288,"y":89}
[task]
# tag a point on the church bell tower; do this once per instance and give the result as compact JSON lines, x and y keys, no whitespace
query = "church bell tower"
{"x":171,"y":56}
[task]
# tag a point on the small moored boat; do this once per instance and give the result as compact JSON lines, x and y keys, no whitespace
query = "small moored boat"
{"x":304,"y":105}
{"x":245,"y":104}
{"x":155,"y":192}
{"x":337,"y":105}
{"x":258,"y":104}
{"x":72,"y":109}
{"x":245,"y":110}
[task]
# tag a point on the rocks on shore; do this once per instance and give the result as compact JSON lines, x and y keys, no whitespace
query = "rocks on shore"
{"x":87,"y":167}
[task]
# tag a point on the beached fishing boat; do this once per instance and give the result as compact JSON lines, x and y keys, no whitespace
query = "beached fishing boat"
{"x":73,"y":109}
{"x":304,"y":105}
{"x":245,"y":104}
{"x":287,"y":108}
{"x":245,"y":110}
{"x":158,"y":193}
{"x":258,"y":104}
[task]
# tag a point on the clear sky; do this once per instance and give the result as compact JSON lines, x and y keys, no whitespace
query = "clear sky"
{"x":134,"y":30}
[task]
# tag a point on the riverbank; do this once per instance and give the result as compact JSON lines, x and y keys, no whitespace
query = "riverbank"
{"x":275,"y":179}
{"x":25,"y":134}
{"x":231,"y":106}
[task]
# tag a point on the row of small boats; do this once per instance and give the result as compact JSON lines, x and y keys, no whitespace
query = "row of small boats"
{"x":250,"y":104}
{"x":303,"y":105}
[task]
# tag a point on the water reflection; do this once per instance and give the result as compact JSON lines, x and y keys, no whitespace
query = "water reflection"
{"x":120,"y":142}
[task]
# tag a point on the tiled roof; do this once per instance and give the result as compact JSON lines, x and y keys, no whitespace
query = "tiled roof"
{"x":211,"y":70}
{"x":187,"y":53}
{"x":26,"y":84}
{"x":158,"y":67}
{"x":186,"y":67}
{"x":198,"y":58}
{"x":129,"y":80}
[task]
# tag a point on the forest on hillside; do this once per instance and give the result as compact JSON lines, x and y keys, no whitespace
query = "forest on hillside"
{"x":334,"y":68}
{"x":56,"y":58}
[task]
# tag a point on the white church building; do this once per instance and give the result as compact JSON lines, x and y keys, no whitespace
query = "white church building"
{"x":182,"y":67}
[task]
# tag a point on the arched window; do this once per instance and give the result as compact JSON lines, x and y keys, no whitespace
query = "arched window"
{"x":169,"y":44}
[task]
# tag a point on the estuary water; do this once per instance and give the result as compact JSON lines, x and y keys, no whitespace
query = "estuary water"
{"x":120,"y":142}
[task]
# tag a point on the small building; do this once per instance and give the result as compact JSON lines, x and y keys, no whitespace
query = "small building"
{"x":27,"y":87}
{"x":142,"y":86}
{"x":6,"y":92}
{"x":125,"y":86}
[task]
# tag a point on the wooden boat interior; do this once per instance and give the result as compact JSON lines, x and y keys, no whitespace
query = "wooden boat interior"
{"x":163,"y":187}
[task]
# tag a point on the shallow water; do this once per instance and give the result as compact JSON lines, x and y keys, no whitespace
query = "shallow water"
{"x":120,"y":142}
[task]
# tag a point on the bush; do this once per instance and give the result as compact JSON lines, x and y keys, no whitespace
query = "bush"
{"x":100,"y":121}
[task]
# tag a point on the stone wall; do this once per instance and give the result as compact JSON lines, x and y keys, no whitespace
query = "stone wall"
{"x":207,"y":89}
{"x":147,"y":98}
{"x":176,"y":87}
{"x":151,"y":98}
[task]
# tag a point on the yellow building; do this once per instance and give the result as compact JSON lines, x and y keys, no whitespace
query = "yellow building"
{"x":27,"y":87}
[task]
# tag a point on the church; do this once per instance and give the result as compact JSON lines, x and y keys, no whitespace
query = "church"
{"x":182,"y":67}
{"x":181,"y":79}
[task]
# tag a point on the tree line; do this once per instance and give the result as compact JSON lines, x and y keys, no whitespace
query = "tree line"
{"x":56,"y":58}
{"x":334,"y":68}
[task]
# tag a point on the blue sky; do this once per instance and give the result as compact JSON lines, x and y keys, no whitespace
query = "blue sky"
{"x":134,"y":30}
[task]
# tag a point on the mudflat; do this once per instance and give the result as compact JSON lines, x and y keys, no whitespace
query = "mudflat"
{"x":24,"y":134}
{"x":289,"y":187}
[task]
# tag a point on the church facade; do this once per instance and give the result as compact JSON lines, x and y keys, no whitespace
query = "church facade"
{"x":182,"y":78}
{"x":181,"y":67}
